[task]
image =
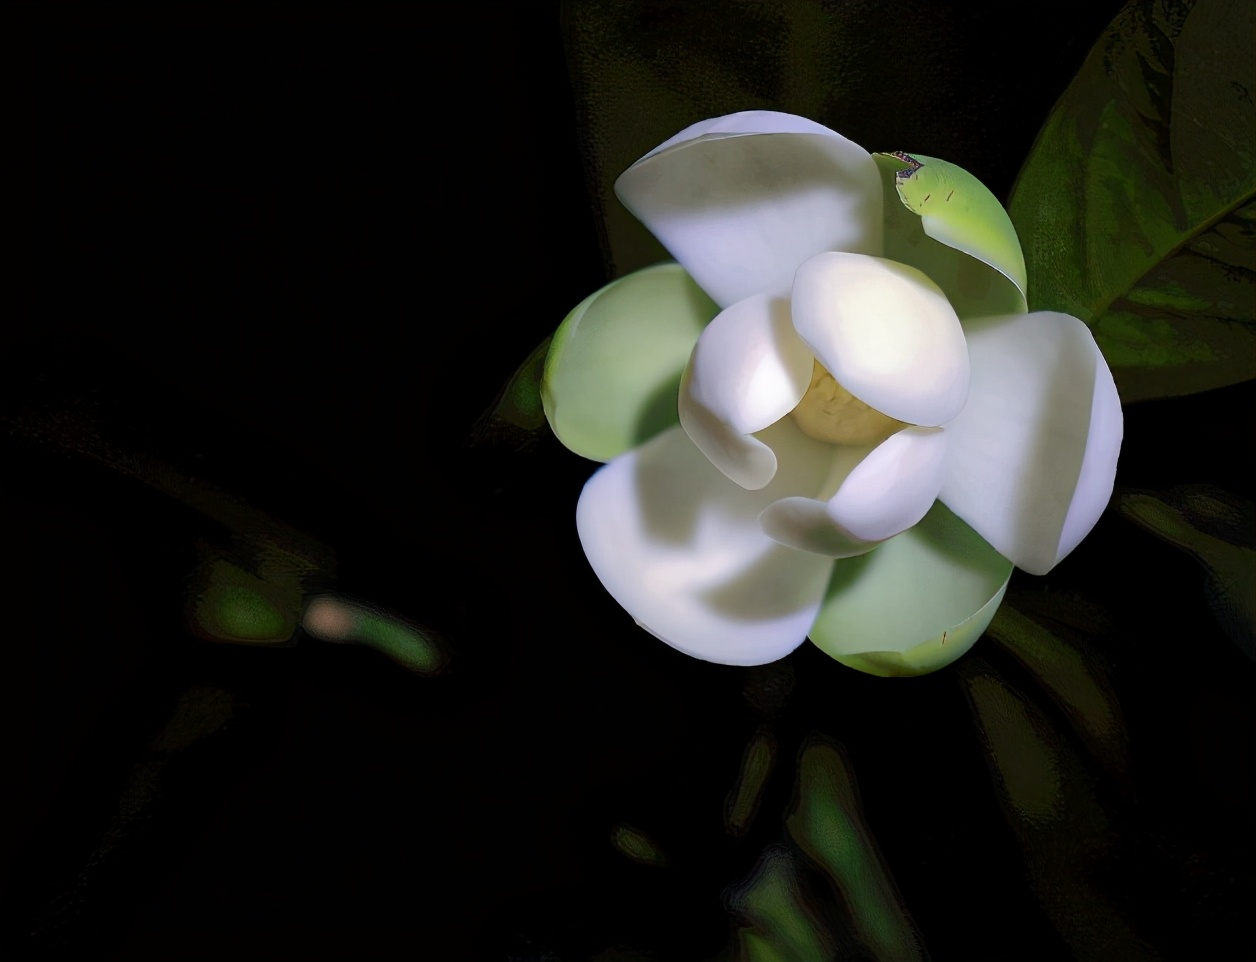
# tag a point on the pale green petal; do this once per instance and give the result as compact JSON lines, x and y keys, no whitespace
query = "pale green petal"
{"x":916,"y":603}
{"x":944,"y":222}
{"x":613,"y":370}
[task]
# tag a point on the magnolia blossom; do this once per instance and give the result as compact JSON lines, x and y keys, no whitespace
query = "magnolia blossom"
{"x":832,"y":416}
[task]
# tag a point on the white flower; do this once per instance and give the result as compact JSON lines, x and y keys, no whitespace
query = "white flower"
{"x":872,"y":430}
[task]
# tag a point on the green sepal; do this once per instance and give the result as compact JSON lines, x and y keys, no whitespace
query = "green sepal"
{"x":942,"y":220}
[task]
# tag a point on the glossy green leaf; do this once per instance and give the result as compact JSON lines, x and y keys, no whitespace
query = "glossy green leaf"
{"x":914,"y":604}
{"x":1135,"y":206}
{"x":613,"y":370}
{"x":1216,"y":529}
{"x":943,"y":221}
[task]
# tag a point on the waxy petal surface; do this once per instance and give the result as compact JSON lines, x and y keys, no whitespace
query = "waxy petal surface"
{"x":742,"y":200}
{"x":748,"y":370}
{"x":679,"y":546}
{"x":1034,"y":452}
{"x":882,"y":493}
{"x":886,"y":333}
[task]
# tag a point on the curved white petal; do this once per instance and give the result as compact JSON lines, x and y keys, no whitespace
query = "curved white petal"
{"x":1034,"y":452}
{"x":740,"y":123}
{"x":883,"y":493}
{"x":886,"y":333}
{"x":679,"y":546}
{"x":747,"y":371}
{"x":742,"y":200}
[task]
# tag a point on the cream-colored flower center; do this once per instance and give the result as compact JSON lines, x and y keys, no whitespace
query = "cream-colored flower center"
{"x":829,"y":412}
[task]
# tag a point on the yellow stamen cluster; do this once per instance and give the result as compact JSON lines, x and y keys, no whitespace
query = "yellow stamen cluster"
{"x":829,"y":412}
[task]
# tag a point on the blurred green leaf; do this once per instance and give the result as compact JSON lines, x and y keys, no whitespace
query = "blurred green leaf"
{"x":68,"y":920}
{"x":1135,"y":207}
{"x":1052,"y":807}
{"x":245,"y":591}
{"x":775,"y":920}
{"x":827,"y":823}
{"x":200,"y":711}
{"x":1068,"y":671}
{"x":757,"y":763}
{"x":342,"y":621}
{"x":636,"y":845}
{"x":515,"y":418}
{"x":227,"y":603}
{"x":1219,"y":531}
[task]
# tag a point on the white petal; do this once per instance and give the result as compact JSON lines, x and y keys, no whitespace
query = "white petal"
{"x":679,"y":546}
{"x":747,"y":371}
{"x":742,"y":200}
{"x":1033,"y":454}
{"x":882,"y":493}
{"x":743,"y":122}
{"x":886,"y":333}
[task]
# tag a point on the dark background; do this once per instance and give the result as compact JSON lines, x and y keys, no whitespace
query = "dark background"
{"x":294,"y":250}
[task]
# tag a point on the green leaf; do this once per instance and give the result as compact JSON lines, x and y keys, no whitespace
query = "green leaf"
{"x":516,"y":416}
{"x":1052,"y":806}
{"x":1135,"y":206}
{"x":636,"y":845}
{"x":828,"y":824}
{"x":229,"y":604}
{"x":1067,"y":670}
{"x":743,"y":801}
{"x":774,"y":920}
{"x":1216,"y":528}
{"x":339,"y":620}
